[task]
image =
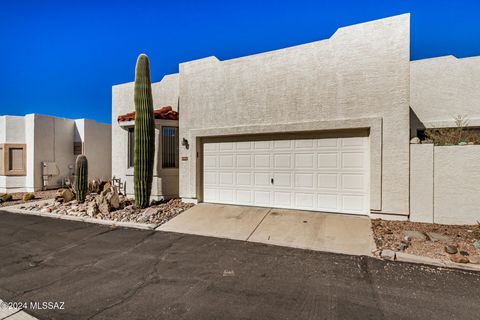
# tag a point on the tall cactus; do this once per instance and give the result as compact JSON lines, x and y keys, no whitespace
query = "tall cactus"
{"x":144,"y":142}
{"x":81,"y":177}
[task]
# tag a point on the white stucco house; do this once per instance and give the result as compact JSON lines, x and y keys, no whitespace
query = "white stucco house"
{"x":38,"y":152}
{"x":324,"y":126}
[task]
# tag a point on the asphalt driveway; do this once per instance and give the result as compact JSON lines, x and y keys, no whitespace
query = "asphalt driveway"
{"x":104,"y":273}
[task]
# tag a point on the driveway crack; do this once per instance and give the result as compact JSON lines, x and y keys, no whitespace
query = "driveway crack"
{"x":145,"y":282}
{"x":266,"y":214}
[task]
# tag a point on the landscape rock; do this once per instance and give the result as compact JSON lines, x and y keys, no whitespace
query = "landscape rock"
{"x":415,"y":235}
{"x":94,"y":186}
{"x":92,"y":210}
{"x":64,"y":195}
{"x":433,"y":236}
{"x":451,"y":249}
{"x":107,"y":186}
{"x":149,"y":212}
{"x":109,"y":205}
{"x":387,"y":255}
{"x":114,"y":200}
{"x":104,"y":206}
{"x":459,"y":259}
{"x":415,"y":140}
{"x":474,"y":259}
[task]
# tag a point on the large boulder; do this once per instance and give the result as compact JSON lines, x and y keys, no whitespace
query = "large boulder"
{"x":94,"y":186}
{"x":107,"y":200}
{"x":107,"y":186}
{"x":64,"y":195}
{"x":92,"y":209}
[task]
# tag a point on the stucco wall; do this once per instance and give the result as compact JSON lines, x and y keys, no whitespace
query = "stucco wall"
{"x":53,"y":143}
{"x":421,"y":182}
{"x":456,"y":187}
{"x":358,"y":75}
{"x":97,"y":140}
{"x":165,"y":93}
{"x":2,"y":128}
{"x":14,"y":129}
{"x":444,"y":87}
{"x":445,"y":184}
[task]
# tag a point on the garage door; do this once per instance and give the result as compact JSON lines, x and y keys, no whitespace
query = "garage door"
{"x":311,"y":174}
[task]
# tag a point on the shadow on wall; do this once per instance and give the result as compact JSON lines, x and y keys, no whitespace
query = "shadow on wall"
{"x":417,"y":128}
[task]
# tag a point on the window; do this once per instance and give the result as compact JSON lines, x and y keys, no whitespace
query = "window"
{"x":13,"y":160}
{"x":77,"y":148}
{"x":169,"y":147}
{"x":131,"y":142}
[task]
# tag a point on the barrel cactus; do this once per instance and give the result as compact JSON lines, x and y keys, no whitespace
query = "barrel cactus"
{"x":144,"y":141}
{"x":81,"y":178}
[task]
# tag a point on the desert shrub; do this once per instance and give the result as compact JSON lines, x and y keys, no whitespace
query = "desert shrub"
{"x":28,"y":196}
{"x":460,"y":134}
{"x":6,"y":197}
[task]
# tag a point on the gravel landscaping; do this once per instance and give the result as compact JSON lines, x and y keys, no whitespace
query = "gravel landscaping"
{"x":108,"y":204}
{"x":158,"y":213}
{"x":17,"y":197}
{"x":454,"y":243}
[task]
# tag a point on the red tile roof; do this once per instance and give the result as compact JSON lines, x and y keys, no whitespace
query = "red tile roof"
{"x":164,"y":113}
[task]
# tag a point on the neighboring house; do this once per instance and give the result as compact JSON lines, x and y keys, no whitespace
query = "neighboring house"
{"x":38,"y":152}
{"x":442,"y":88}
{"x":323,"y":126}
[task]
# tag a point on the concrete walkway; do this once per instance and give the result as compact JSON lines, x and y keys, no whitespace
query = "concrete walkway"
{"x":289,"y":228}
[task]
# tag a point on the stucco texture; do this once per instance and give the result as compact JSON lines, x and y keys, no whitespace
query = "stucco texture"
{"x":456,"y":186}
{"x":444,"y":87}
{"x":444,"y":184}
{"x":361,"y":72}
{"x":421,"y":182}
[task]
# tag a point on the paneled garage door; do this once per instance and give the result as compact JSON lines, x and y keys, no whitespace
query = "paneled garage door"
{"x":311,"y":174}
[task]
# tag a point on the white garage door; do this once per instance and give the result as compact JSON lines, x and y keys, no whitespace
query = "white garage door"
{"x":312,"y":174}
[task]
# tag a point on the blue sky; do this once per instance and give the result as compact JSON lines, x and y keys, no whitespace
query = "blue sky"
{"x":61,"y":58}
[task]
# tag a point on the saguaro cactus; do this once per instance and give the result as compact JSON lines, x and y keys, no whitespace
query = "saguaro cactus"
{"x":81,"y":177}
{"x":144,"y":142}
